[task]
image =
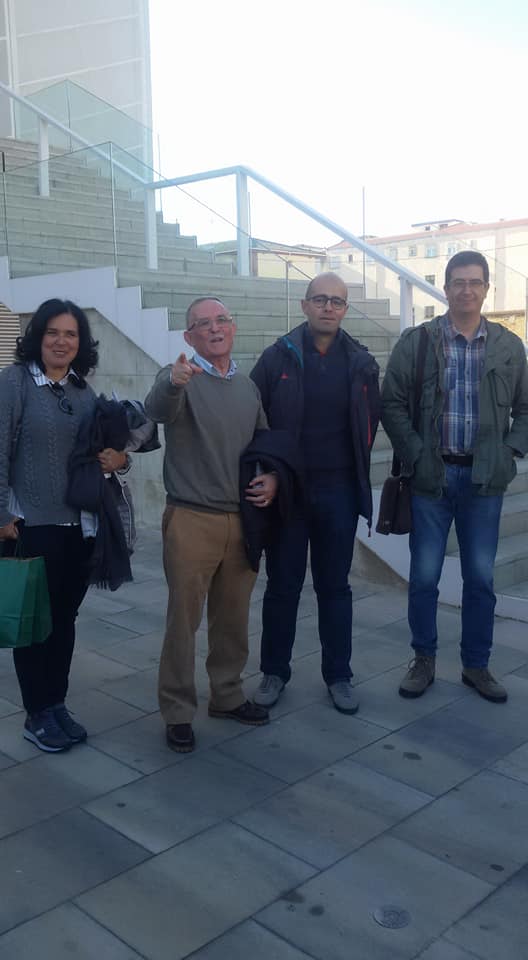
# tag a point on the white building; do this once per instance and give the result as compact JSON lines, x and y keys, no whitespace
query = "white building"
{"x":426,"y":251}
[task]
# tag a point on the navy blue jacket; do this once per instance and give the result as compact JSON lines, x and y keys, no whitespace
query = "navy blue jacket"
{"x":279,"y":376}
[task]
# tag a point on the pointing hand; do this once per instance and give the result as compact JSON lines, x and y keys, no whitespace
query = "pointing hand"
{"x":182,"y":371}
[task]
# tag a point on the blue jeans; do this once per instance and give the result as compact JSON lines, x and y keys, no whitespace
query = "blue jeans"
{"x":329,"y":525}
{"x":477,"y":526}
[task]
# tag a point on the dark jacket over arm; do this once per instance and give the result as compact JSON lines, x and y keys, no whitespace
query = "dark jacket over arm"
{"x":274,"y":451}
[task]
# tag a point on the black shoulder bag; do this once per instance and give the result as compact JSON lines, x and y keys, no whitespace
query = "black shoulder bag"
{"x":395,"y":502}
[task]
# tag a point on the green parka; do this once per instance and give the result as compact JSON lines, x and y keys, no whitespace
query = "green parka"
{"x":503,"y":410}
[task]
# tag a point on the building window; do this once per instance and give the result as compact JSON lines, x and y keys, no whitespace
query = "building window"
{"x":430,"y":251}
{"x":430,"y":277}
{"x":429,"y":313}
{"x":411,"y":252}
{"x":334,"y":262}
{"x":452,"y":248}
{"x":392,"y":252}
{"x":351,"y":258}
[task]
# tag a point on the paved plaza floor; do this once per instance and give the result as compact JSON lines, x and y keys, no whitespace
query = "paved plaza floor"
{"x":401,"y":832}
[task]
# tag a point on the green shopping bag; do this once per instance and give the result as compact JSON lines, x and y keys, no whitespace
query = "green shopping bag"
{"x":25,"y":615}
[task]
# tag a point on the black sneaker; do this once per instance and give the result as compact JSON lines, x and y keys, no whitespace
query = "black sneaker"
{"x":75,"y":732}
{"x":43,"y":730}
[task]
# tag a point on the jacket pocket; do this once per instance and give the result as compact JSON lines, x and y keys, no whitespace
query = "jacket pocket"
{"x":506,"y":468}
{"x":503,"y":381}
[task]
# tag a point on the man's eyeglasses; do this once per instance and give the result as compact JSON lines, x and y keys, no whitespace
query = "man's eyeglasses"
{"x":64,"y":404}
{"x":320,"y":301}
{"x":206,"y":324}
{"x":472,"y":284}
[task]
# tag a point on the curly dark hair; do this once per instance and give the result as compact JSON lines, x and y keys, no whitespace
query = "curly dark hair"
{"x":28,"y":347}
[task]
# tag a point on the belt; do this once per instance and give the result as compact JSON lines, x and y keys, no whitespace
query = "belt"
{"x":459,"y":459}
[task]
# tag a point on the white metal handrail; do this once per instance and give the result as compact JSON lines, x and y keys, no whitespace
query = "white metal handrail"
{"x":407,"y":278}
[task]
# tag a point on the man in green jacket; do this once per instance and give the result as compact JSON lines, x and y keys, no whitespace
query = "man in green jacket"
{"x":473,"y":422}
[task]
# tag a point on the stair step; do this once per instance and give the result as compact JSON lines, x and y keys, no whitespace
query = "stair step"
{"x":514,"y":520}
{"x":511,"y":564}
{"x":519,"y":589}
{"x":9,"y":331}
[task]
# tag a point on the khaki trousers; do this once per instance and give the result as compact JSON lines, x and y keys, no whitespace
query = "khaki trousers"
{"x":204,"y":556}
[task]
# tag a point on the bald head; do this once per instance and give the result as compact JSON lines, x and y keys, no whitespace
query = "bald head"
{"x":320,"y":281}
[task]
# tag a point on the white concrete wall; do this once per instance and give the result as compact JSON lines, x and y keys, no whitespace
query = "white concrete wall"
{"x":105,"y":47}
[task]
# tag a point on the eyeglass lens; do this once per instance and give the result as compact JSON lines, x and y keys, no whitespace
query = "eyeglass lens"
{"x":472,"y":284}
{"x":320,"y":301}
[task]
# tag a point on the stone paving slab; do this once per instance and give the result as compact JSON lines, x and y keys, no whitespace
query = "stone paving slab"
{"x":61,"y":934}
{"x":332,"y":812}
{"x":99,"y":635}
{"x":491,"y":846}
{"x":182,"y":899}
{"x":437,"y":752}
{"x":56,"y":782}
{"x":380,"y":703}
{"x":333,"y":913}
{"x":182,"y":800}
{"x":252,"y":941}
{"x":56,"y":860}
{"x":489,"y":930}
{"x":274,"y":843}
{"x":443,"y":950}
{"x":294,"y":746}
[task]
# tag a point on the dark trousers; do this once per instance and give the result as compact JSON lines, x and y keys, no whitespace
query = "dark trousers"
{"x":43,"y":668}
{"x":329,"y":525}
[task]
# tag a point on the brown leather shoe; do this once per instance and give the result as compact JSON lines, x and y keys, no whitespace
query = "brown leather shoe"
{"x":180,"y":737}
{"x":247,"y":712}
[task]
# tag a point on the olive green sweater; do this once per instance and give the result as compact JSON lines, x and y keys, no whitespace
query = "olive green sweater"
{"x":207,"y":423}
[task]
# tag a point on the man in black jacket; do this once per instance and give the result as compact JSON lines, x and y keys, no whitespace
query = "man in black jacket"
{"x":322,"y":386}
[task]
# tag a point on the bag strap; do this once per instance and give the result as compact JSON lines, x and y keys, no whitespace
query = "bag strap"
{"x":418,"y":384}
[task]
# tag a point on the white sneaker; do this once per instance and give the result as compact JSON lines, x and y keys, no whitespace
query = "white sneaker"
{"x":268,"y":691}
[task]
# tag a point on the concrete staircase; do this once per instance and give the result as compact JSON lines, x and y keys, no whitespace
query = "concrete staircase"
{"x":9,"y":331}
{"x":85,"y":224}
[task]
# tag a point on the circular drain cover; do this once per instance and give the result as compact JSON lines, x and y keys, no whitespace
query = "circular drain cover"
{"x":392,"y":917}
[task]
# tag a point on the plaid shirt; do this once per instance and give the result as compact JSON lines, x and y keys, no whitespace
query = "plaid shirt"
{"x":464,"y":362}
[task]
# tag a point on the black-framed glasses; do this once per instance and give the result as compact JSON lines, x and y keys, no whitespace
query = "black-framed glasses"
{"x":64,"y":404}
{"x":206,"y":324}
{"x":473,"y":284}
{"x":321,"y":300}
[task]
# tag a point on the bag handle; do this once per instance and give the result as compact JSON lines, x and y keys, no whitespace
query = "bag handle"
{"x":418,"y":384}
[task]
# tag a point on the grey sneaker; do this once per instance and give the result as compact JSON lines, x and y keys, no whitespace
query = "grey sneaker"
{"x":43,"y":730}
{"x":481,"y":679}
{"x":419,"y":676}
{"x":268,"y":690}
{"x":343,"y":696}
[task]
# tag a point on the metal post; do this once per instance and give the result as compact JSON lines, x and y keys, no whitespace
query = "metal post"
{"x":113,"y":199}
{"x":151,"y":235}
{"x":406,"y":304}
{"x":526,"y":312}
{"x":242,"y":224}
{"x":68,"y":110}
{"x":363,"y":237}
{"x":43,"y":155}
{"x":288,"y":318}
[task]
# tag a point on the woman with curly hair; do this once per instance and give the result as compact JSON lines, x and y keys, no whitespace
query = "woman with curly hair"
{"x":43,"y":397}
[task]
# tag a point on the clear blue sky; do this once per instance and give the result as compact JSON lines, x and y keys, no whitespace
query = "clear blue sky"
{"x":423,"y":103}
